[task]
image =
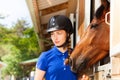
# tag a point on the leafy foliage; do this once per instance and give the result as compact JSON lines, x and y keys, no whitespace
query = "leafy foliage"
{"x":18,"y":44}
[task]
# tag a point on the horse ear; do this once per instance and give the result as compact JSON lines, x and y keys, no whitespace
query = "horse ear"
{"x":108,"y":1}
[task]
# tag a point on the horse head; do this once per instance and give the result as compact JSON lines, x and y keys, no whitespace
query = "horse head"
{"x":94,"y":43}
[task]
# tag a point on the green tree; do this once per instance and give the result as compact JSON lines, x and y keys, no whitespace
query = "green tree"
{"x":12,"y":62}
{"x":23,"y":45}
{"x":4,"y":39}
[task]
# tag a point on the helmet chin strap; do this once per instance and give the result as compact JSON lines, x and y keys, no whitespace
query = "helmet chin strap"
{"x":64,"y":44}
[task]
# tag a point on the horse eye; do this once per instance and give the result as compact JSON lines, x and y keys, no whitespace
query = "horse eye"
{"x":94,"y":25}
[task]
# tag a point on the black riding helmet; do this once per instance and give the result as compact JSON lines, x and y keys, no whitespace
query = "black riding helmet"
{"x":60,"y":22}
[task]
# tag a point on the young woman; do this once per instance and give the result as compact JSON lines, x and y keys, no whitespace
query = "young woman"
{"x":50,"y":64}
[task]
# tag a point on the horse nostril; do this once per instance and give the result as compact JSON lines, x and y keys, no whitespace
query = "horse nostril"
{"x":70,"y":62}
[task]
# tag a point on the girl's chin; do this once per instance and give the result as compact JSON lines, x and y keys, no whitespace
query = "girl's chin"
{"x":57,"y":45}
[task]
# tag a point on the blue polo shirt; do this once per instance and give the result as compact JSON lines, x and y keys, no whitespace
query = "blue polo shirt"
{"x":52,"y":62}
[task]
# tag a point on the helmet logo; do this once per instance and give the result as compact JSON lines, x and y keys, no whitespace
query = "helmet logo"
{"x":52,"y":22}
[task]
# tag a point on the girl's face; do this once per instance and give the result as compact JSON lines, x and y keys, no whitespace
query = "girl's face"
{"x":58,"y":37}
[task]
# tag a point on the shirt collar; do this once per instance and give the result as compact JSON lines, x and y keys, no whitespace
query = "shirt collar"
{"x":58,"y":52}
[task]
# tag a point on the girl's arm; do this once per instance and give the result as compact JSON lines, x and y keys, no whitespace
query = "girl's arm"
{"x":39,"y":74}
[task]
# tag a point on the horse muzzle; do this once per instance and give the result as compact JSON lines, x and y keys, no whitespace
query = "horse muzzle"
{"x":76,"y":64}
{"x":70,"y":61}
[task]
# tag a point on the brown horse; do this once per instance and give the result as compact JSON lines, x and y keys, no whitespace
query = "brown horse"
{"x":94,"y":43}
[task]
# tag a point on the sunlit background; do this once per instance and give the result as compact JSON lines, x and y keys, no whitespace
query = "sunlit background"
{"x":12,"y":10}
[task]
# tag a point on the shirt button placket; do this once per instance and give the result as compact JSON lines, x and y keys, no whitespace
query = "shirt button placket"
{"x":63,"y":62}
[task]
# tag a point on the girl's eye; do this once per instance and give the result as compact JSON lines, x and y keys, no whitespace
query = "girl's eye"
{"x":59,"y":32}
{"x":51,"y":33}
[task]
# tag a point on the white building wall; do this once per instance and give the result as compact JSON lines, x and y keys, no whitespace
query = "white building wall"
{"x":115,"y":39}
{"x":115,"y":27}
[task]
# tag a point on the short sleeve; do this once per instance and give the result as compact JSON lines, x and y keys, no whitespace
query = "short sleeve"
{"x":42,"y":62}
